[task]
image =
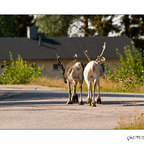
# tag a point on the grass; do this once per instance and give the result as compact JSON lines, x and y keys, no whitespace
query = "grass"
{"x":44,"y":81}
{"x":127,"y":122}
{"x":105,"y":85}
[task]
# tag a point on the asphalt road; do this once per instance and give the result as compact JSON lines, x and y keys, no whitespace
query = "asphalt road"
{"x":38,"y":109}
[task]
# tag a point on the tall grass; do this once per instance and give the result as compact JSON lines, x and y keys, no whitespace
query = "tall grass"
{"x":127,"y":122}
{"x":105,"y":85}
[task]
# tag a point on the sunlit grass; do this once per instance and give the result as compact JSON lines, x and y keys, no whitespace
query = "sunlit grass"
{"x":50,"y":82}
{"x":105,"y":85}
{"x":129,"y":122}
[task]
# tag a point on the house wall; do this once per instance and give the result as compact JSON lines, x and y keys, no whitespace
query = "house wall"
{"x":49,"y":70}
{"x":47,"y":65}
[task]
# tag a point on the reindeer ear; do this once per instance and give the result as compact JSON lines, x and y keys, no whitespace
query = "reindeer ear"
{"x":75,"y":56}
{"x":60,"y":64}
{"x":101,"y":60}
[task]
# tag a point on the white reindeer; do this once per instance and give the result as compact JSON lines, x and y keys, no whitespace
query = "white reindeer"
{"x":73,"y":73}
{"x":92,"y":73}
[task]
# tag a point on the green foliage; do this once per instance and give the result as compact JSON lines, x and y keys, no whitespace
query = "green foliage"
{"x":103,"y":25}
{"x":58,"y":25}
{"x":131,"y":70}
{"x":132,"y":26}
{"x":54,"y":25}
{"x":18,"y":72}
{"x":15,"y":25}
{"x":6,"y":26}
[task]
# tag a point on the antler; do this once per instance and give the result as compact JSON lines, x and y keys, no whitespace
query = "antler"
{"x":59,"y":63}
{"x":99,"y":57}
{"x":86,"y":54}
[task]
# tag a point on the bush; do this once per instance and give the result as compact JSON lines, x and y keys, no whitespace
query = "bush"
{"x":18,"y":72}
{"x":131,"y":70}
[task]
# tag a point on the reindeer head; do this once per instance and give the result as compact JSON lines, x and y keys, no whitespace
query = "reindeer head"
{"x":100,"y":60}
{"x":60,"y":65}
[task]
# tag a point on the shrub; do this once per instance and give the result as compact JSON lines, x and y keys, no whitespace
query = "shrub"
{"x":131,"y":70}
{"x":18,"y":72}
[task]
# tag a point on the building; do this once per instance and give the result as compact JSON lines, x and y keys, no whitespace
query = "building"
{"x":43,"y":51}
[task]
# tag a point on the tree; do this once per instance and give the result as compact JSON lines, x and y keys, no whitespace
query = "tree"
{"x":86,"y":26}
{"x":95,"y":25}
{"x":54,"y":25}
{"x":103,"y":25}
{"x":15,"y":25}
{"x":6,"y":26}
{"x":21,"y":23}
{"x":133,"y":27}
{"x":89,"y":25}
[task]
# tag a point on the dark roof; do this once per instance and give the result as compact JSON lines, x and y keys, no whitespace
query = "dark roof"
{"x":66,"y":47}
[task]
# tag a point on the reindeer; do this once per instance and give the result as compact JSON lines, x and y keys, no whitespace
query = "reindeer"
{"x":92,"y":73}
{"x":73,"y":73}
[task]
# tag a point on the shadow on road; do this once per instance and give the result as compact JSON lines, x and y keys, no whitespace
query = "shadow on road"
{"x":44,"y":98}
{"x":125,"y":103}
{"x":12,"y":103}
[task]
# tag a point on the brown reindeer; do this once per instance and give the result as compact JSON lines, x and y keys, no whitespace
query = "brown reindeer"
{"x":73,"y":73}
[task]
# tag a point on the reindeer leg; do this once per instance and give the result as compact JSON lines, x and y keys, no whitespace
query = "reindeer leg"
{"x":74,"y":96}
{"x":89,"y":93}
{"x":81,"y":102}
{"x":93,"y":98}
{"x":98,"y":99}
{"x":69,"y":90}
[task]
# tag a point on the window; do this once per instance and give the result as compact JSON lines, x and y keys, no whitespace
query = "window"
{"x":55,"y":66}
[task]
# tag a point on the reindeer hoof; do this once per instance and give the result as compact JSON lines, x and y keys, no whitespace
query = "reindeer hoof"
{"x":81,"y":103}
{"x":98,"y":101}
{"x":93,"y":105}
{"x":89,"y":101}
{"x":69,"y":102}
{"x":75,"y":98}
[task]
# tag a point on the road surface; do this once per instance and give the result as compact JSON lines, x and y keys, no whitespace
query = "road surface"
{"x":47,"y":110}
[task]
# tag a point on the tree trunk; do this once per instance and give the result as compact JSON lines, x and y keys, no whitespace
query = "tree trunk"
{"x":85,"y":26}
{"x":126,"y":21}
